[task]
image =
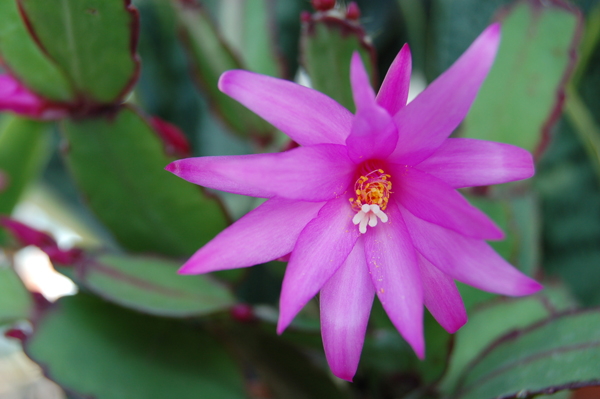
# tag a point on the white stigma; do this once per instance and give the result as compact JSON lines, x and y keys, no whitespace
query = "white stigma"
{"x":368,"y":214}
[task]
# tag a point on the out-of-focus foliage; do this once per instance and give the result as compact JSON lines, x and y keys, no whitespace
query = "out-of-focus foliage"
{"x":24,"y":151}
{"x":85,"y":342}
{"x":151,"y":285}
{"x":139,"y":330}
{"x":15,"y":301}
{"x":118,"y":162}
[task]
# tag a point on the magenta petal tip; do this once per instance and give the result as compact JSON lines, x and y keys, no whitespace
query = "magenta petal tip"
{"x":172,"y":167}
{"x":185,"y":269}
{"x":494,"y":28}
{"x":281,"y":326}
{"x":343,"y":375}
{"x":531,"y":287}
{"x":223,"y":80}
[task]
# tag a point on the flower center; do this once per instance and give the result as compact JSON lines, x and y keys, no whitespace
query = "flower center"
{"x":373,"y":189}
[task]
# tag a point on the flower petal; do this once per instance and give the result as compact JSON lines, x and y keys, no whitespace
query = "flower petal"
{"x":373,"y":134}
{"x":431,"y":199}
{"x":362,"y":92}
{"x":266,"y":233}
{"x":304,"y":114}
{"x":322,"y":247}
{"x":315,"y":173}
{"x":441,"y":297}
{"x":393,"y":93}
{"x":470,"y":162}
{"x":430,"y":118}
{"x":395,"y":274}
{"x":468,"y":260}
{"x":346,"y":301}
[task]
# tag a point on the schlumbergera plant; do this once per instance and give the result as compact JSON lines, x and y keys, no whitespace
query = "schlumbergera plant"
{"x":363,"y":205}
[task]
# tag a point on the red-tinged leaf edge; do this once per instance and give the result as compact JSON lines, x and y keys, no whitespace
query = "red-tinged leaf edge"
{"x":284,"y":69}
{"x":347,"y":27}
{"x":538,"y":6}
{"x":515,"y":334}
{"x":193,"y":6}
{"x":29,"y":236}
{"x":86,"y":265}
{"x":111,"y":113}
{"x":86,"y":107}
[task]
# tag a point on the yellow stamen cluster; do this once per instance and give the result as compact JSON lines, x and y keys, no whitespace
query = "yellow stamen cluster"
{"x":373,"y":188}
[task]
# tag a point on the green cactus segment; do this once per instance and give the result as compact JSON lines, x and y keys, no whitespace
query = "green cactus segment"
{"x":210,"y":57}
{"x":518,"y":101}
{"x":491,"y":322}
{"x":15,"y":301}
{"x":91,"y":40}
{"x":118,"y":162}
{"x":327,"y":47}
{"x":24,"y":151}
{"x":560,"y":353}
{"x":94,"y":349}
{"x":21,"y":55}
{"x":152,"y":285}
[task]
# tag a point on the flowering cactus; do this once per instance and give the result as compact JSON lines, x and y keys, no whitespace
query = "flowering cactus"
{"x":385,"y":222}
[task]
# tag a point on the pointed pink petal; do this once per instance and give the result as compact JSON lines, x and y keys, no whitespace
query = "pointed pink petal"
{"x":362,"y":92}
{"x":395,"y":274}
{"x":468,"y":260}
{"x":430,"y":118}
{"x":470,"y":162}
{"x":315,"y":173}
{"x":266,"y":233}
{"x":431,"y":199}
{"x":322,"y":247}
{"x":393,"y":93}
{"x":304,"y":114}
{"x":442,"y":297}
{"x":346,"y":301}
{"x":373,"y":134}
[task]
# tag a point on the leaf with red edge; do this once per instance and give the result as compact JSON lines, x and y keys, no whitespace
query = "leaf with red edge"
{"x":327,"y":44}
{"x":494,"y":319}
{"x":210,"y":56}
{"x":21,"y":55}
{"x":151,"y":285}
{"x":92,"y":41}
{"x":118,"y":162}
{"x":559,"y":353}
{"x":30,"y":236}
{"x":522,"y":96}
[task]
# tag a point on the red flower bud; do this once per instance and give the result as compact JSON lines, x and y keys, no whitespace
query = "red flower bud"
{"x":305,"y":17}
{"x":176,"y":144}
{"x":323,"y":5}
{"x":242,"y":313}
{"x":353,"y":12}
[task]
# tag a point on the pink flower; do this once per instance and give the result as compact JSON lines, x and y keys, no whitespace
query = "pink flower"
{"x":368,"y":204}
{"x":17,"y":98}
